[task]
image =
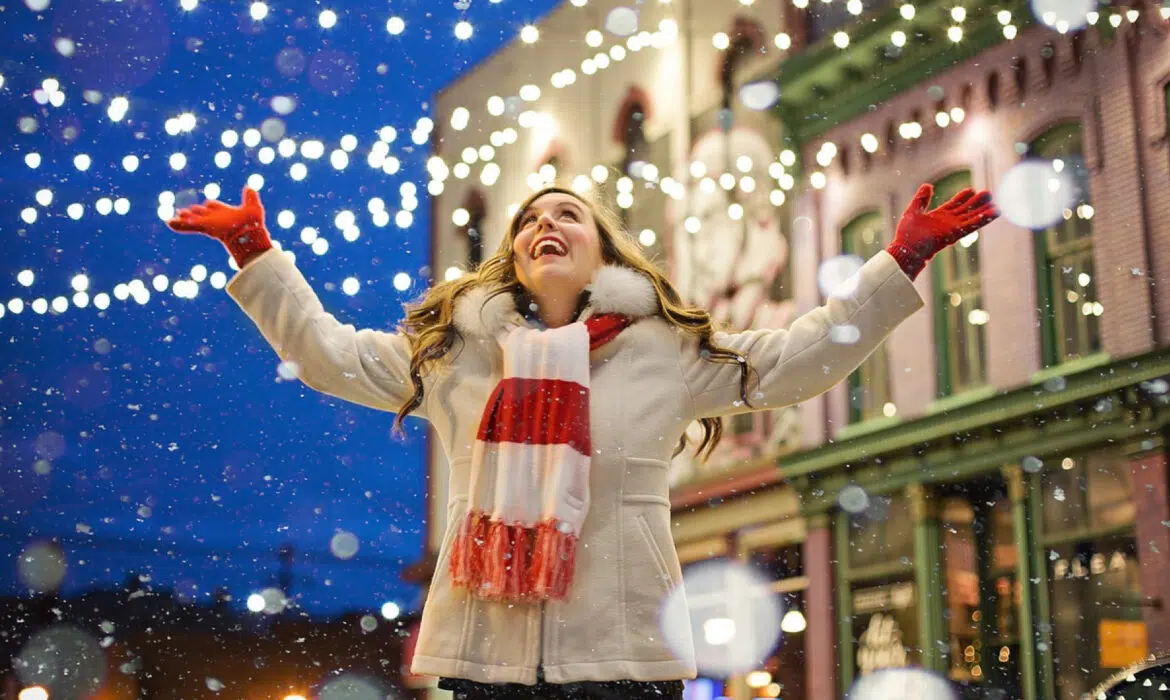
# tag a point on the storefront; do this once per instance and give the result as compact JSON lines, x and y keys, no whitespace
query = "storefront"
{"x":1002,"y":543}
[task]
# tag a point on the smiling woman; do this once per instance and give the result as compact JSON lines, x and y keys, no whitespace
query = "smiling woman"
{"x":557,"y":376}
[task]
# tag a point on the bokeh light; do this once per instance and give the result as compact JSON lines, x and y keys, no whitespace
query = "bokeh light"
{"x":731,"y":613}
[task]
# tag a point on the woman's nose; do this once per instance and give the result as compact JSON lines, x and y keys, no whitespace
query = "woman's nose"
{"x":545,"y":222}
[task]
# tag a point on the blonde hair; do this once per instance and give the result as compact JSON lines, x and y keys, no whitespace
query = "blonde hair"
{"x":431,"y":331}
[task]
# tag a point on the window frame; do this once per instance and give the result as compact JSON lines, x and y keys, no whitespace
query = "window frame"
{"x":946,"y":365}
{"x":1046,"y":146}
{"x":865,"y":376}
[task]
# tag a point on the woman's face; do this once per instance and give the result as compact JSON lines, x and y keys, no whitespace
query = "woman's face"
{"x":557,"y":247}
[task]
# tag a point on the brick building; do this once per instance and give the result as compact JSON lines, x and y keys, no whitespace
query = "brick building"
{"x":986,"y":498}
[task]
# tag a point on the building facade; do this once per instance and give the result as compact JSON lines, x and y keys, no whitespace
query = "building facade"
{"x":987,"y":497}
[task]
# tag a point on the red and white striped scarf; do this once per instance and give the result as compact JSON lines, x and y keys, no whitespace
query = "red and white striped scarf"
{"x":529,"y":489}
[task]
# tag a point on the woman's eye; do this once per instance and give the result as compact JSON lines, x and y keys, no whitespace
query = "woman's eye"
{"x":570,"y":214}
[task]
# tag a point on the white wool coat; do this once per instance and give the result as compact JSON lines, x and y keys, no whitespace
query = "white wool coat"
{"x":647,"y":386}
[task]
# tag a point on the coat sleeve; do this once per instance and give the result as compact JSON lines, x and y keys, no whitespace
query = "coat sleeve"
{"x":807,"y":358}
{"x":367,"y":367}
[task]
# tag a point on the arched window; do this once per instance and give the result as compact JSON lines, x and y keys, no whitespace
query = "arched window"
{"x":747,"y":37}
{"x":472,"y":231}
{"x":630,"y":131}
{"x":959,"y":315}
{"x":869,"y":385}
{"x":634,"y":139}
{"x":1070,"y":310}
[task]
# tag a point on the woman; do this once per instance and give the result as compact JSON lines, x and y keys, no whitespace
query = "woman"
{"x":558,"y":377}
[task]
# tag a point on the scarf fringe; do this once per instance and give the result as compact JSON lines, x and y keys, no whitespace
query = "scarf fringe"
{"x":512,"y":563}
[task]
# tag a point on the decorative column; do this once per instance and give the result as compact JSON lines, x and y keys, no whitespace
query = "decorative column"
{"x":1151,"y":498}
{"x":845,"y":646}
{"x":1031,"y":573}
{"x":1017,"y":493}
{"x":820,"y":656}
{"x":932,"y":628}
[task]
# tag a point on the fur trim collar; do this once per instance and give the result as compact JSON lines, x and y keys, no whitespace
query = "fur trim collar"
{"x":614,"y":289}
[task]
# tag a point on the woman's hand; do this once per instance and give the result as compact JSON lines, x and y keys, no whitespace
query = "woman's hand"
{"x":241,"y":229}
{"x":921,"y":234}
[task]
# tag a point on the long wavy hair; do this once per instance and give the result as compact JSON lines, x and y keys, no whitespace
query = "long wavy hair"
{"x":432,"y":334}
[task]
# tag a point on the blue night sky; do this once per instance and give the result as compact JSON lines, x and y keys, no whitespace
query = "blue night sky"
{"x":157,"y":438}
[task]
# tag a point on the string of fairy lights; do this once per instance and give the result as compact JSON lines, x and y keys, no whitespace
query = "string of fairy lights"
{"x":1058,"y":15}
{"x":519,"y":107}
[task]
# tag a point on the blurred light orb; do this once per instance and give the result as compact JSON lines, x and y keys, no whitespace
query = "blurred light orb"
{"x":188,"y":5}
{"x":64,"y":660}
{"x":1034,"y":194}
{"x":731,"y":613}
{"x":344,"y":545}
{"x":621,"y":21}
{"x":837,"y":276}
{"x":258,"y":11}
{"x":1063,"y":15}
{"x":64,"y":46}
{"x":463,"y":30}
{"x":353,"y":687}
{"x":1032,"y":464}
{"x":402,"y":281}
{"x":41,"y":567}
{"x":283,"y":104}
{"x":271,"y":601}
{"x":845,"y":334}
{"x":910,"y":683}
{"x":130,"y":163}
{"x":34,"y":692}
{"x":288,"y":371}
{"x":395,"y":25}
{"x":350,"y":286}
{"x":853,"y":499}
{"x":272,"y":129}
{"x":327,"y":19}
{"x":390,"y":610}
{"x":81,"y":162}
{"x":291,"y":62}
{"x":312,"y":149}
{"x":178,"y":161}
{"x":37,"y":5}
{"x":759,"y":95}
{"x":32,"y":160}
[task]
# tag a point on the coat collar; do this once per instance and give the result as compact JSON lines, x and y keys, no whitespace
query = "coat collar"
{"x":614,"y":289}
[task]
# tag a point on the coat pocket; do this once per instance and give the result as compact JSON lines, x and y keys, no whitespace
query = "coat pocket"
{"x":656,"y":555}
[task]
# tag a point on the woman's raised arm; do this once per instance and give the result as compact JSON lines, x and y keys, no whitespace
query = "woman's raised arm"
{"x":822,"y":347}
{"x":366,"y":366}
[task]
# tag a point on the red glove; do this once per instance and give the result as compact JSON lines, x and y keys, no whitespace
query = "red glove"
{"x":240,"y":229}
{"x":921,"y":233}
